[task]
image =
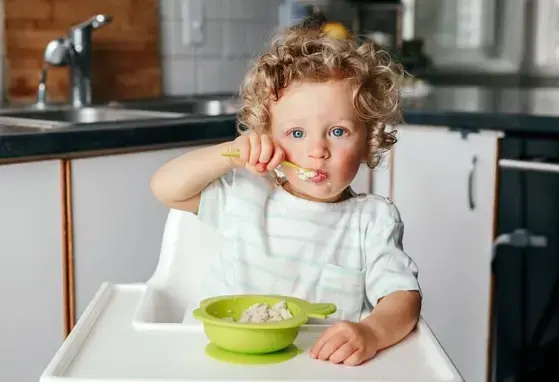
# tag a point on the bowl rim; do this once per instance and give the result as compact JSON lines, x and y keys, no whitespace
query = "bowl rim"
{"x":296,"y":320}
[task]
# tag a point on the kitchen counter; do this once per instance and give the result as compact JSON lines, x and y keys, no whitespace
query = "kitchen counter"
{"x":80,"y":141}
{"x":515,"y":111}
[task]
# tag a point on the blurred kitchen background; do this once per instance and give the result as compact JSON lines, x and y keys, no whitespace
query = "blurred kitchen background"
{"x":490,"y":42}
{"x":481,"y":126}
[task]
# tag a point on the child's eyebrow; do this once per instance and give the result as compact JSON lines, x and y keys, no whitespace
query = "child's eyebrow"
{"x":289,"y":123}
{"x":345,"y":122}
{"x":302,"y":121}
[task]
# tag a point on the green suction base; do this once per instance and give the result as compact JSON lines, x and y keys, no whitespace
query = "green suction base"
{"x":252,"y":359}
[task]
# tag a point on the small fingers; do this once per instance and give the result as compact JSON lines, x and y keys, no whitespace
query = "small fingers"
{"x":277,"y":158}
{"x":324,"y":337}
{"x":261,"y":168}
{"x":267,"y":149}
{"x":357,"y":358}
{"x":342,"y":353}
{"x":331,"y":346}
{"x":255,"y":149}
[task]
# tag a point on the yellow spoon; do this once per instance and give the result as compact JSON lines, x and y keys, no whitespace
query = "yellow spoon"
{"x":304,"y":173}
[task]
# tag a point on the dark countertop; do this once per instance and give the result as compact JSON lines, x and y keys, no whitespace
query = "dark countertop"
{"x":113,"y":137}
{"x":515,"y":111}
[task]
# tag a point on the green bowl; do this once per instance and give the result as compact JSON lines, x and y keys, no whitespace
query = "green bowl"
{"x":254,"y":338}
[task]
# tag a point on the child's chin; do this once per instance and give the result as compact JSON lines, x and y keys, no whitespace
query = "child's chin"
{"x":321,"y":194}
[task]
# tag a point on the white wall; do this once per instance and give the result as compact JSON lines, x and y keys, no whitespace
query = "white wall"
{"x":234,"y":32}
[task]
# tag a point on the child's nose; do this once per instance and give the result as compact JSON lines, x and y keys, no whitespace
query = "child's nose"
{"x":319,"y":150}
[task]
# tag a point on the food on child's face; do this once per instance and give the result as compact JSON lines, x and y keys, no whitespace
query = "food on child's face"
{"x":312,"y":175}
{"x":262,"y":313}
{"x":306,"y":174}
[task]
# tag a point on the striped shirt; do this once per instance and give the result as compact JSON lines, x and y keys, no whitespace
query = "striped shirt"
{"x":348,"y":253}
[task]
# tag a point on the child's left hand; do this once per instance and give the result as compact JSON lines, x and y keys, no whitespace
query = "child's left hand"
{"x":346,"y":342}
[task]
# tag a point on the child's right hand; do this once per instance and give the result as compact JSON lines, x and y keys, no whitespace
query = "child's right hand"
{"x":258,"y":153}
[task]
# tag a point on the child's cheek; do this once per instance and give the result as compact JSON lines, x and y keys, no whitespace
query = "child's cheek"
{"x":348,"y":158}
{"x":347,"y":164}
{"x":290,"y":153}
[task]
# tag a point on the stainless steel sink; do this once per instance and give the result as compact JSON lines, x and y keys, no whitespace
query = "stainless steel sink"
{"x":61,"y":117}
{"x":209,"y":107}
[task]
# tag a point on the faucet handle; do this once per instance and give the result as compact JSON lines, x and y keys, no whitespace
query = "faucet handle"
{"x":94,"y":22}
{"x":56,"y":52}
{"x":42,"y":89}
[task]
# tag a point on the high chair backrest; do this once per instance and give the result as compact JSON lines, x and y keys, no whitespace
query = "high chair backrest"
{"x":187,"y":249}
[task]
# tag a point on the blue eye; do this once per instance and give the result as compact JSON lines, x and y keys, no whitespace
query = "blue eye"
{"x":297,"y":133}
{"x":338,"y":132}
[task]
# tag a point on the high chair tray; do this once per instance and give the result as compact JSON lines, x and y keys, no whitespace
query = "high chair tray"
{"x":105,"y":346}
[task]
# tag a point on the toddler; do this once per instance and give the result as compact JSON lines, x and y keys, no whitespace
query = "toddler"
{"x":323,"y":104}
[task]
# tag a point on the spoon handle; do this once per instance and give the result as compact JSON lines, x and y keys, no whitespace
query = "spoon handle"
{"x":236,"y":154}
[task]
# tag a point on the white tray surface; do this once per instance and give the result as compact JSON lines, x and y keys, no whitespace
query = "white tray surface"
{"x":105,"y":346}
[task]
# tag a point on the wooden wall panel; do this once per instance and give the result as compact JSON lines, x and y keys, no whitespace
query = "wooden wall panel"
{"x":126,"y":57}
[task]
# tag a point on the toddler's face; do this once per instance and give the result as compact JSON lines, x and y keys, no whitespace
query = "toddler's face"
{"x":316,"y":125}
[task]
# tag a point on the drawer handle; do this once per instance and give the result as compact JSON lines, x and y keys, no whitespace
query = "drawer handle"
{"x":519,"y":238}
{"x":471,"y":201}
{"x":528,"y":165}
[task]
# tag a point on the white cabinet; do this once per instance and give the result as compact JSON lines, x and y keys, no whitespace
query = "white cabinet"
{"x":362,"y":181}
{"x":32,"y":325}
{"x":375,"y":180}
{"x":381,"y":176}
{"x":444,"y":186}
{"x":118,"y":223}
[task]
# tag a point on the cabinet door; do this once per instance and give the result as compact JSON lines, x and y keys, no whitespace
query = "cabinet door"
{"x":444,"y":186}
{"x":118,"y":223}
{"x":31,"y":327}
{"x":382,"y":176}
{"x":362,"y":182}
{"x":375,"y":180}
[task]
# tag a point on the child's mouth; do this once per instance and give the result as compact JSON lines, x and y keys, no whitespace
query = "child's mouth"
{"x":319,"y":177}
{"x":315,"y":176}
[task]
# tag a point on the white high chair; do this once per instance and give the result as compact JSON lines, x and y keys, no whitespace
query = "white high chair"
{"x":175,"y":288}
{"x":144,"y":332}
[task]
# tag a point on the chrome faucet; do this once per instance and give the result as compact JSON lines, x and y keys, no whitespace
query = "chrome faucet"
{"x":74,"y":50}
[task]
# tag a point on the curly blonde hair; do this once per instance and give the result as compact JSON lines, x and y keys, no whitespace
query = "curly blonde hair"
{"x":304,"y":53}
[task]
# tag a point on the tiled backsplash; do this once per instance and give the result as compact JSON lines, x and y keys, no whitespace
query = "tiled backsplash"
{"x":234,"y":32}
